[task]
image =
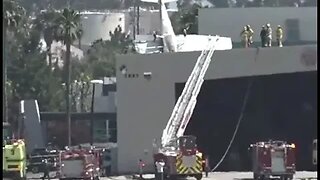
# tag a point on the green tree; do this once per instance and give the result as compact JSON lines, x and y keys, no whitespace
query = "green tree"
{"x":220,"y":3}
{"x":68,"y":24}
{"x":186,"y":17}
{"x":46,"y":23}
{"x":101,"y":56}
{"x":29,"y":76}
{"x":12,"y":17}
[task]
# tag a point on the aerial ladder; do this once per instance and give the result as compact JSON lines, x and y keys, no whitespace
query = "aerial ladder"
{"x":179,"y":151}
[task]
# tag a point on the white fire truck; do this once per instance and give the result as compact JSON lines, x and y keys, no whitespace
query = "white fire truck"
{"x":78,"y":164}
{"x":273,"y":159}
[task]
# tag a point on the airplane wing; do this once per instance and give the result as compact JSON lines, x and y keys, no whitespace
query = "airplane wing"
{"x":199,"y":42}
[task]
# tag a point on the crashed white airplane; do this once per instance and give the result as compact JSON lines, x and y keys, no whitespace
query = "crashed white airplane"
{"x":177,"y":43}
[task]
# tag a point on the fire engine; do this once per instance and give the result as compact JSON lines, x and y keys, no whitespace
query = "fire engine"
{"x":13,"y":155}
{"x":179,"y":152}
{"x":79,"y":164}
{"x":273,"y":159}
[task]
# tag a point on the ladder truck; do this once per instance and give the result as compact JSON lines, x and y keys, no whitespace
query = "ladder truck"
{"x":178,"y":151}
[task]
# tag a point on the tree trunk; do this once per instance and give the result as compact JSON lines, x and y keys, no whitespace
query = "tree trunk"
{"x":81,"y":98}
{"x":138,"y":16}
{"x":49,"y":56}
{"x":67,"y":66}
{"x":134,"y":20}
{"x":4,"y":76}
{"x":79,"y":41}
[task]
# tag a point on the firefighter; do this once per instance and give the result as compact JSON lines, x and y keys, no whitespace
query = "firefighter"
{"x":250,"y":34}
{"x":268,"y":35}
{"x":160,"y":165}
{"x":119,"y":28}
{"x":154,"y":36}
{"x":184,"y":32}
{"x":245,"y":34}
{"x":107,"y":163}
{"x":141,"y":166}
{"x":263,"y":36}
{"x":206,"y":165}
{"x":45,"y":169}
{"x":279,"y":34}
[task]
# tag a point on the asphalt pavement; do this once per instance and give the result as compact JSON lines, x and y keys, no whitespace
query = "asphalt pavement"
{"x":212,"y":176}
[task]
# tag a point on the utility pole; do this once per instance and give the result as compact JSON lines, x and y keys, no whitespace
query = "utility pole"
{"x":92,"y":112}
{"x":138,"y":16}
{"x":160,"y":11}
{"x":134,"y":20}
{"x":4,"y":77}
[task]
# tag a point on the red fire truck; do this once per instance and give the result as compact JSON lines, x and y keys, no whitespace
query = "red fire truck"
{"x":182,"y":162}
{"x":79,"y":164}
{"x":273,"y":159}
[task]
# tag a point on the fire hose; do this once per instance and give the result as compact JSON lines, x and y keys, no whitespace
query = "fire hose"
{"x":244,"y":104}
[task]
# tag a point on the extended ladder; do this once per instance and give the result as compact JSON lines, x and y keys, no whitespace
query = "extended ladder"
{"x":185,"y":105}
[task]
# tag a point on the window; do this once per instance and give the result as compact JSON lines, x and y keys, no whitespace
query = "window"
{"x":131,"y":75}
{"x":293,"y":30}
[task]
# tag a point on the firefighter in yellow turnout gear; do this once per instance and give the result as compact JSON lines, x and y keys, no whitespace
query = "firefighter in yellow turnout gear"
{"x":250,"y":35}
{"x":245,"y":36}
{"x":279,"y":34}
{"x":189,"y":164}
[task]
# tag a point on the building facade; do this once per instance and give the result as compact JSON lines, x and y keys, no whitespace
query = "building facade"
{"x":149,"y":85}
{"x":299,"y":24}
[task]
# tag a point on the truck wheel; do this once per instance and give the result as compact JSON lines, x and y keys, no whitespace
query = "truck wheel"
{"x":172,"y":177}
{"x":287,"y":177}
{"x":198,"y":177}
{"x":157,"y":176}
{"x":284,"y":177}
{"x":262,"y":177}
{"x":35,"y":170}
{"x":96,"y":178}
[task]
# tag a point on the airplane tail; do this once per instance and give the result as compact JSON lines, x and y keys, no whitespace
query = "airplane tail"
{"x":158,"y":1}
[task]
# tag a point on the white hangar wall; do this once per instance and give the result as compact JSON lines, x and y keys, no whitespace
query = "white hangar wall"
{"x":144,"y":105}
{"x":299,"y":24}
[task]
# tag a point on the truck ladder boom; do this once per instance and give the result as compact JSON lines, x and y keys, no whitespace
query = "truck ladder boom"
{"x":186,"y":103}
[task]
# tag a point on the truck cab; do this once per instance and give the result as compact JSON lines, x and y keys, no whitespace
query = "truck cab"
{"x":187,"y":145}
{"x":78,"y":164}
{"x":14,"y":155}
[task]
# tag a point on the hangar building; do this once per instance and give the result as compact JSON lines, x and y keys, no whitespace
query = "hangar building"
{"x":282,"y":103}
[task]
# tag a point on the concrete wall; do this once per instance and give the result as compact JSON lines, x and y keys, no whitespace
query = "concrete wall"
{"x":145,"y":104}
{"x":33,"y":130}
{"x":230,"y":21}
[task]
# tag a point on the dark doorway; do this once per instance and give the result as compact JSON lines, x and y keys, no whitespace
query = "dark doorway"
{"x":282,"y":106}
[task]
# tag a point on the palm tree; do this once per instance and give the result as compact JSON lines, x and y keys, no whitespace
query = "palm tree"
{"x":45,"y":23}
{"x":68,"y":24}
{"x":12,"y":17}
{"x":79,"y":34}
